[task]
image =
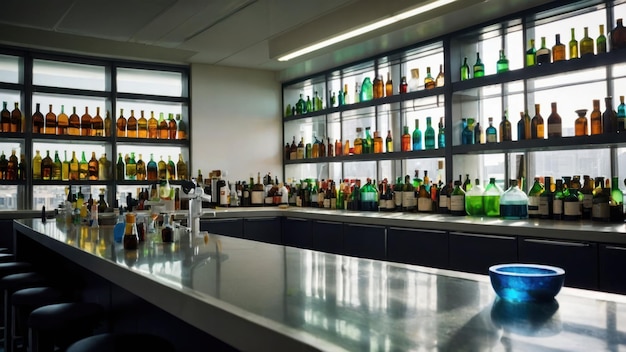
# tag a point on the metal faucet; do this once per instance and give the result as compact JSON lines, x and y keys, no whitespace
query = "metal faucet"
{"x":196,"y":195}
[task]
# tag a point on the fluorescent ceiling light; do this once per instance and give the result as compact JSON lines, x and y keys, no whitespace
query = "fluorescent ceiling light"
{"x":366,"y":29}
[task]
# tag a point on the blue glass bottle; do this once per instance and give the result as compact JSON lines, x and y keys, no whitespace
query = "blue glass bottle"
{"x":429,"y":135}
{"x":417,"y":136}
{"x":491,"y":132}
{"x":118,"y":229}
{"x":468,"y":133}
{"x":441,"y":137}
{"x":367,"y":90}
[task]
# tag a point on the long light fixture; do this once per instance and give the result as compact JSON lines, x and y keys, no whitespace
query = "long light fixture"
{"x":366,"y":29}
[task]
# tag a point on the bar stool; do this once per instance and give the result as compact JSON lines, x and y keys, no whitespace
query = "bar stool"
{"x":25,"y":301}
{"x":6,"y":257}
{"x":62,"y":324}
{"x":9,"y":284}
{"x":124,"y":342}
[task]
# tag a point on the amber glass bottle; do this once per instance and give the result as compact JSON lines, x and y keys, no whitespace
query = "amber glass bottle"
{"x":537,"y":128}
{"x":51,"y":122}
{"x":596,"y":118}
{"x":142,"y":127}
{"x":378,"y":87}
{"x":405,"y":140}
{"x":5,"y":119}
{"x":162,"y":166}
{"x":618,"y":36}
{"x":121,"y":124}
{"x":163,"y":127}
{"x":152,"y":169}
{"x":107,"y":124}
{"x":74,"y":127}
{"x":63,"y":122}
{"x":181,"y":168}
{"x":38,"y":120}
{"x":131,"y":125}
{"x":580,"y":125}
{"x":97,"y":124}
{"x":46,"y":167}
{"x":429,"y":81}
{"x":171,"y":126}
{"x":16,"y":119}
{"x":558,"y":50}
{"x":182,"y":128}
{"x":93,"y":168}
{"x":573,"y":46}
{"x":389,"y":85}
{"x":73,"y":167}
{"x":554,"y":123}
{"x":153,"y":125}
{"x":505,"y":128}
{"x":141,"y":169}
{"x":85,"y":123}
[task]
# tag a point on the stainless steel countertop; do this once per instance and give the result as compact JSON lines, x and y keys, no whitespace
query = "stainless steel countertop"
{"x":262,"y":297}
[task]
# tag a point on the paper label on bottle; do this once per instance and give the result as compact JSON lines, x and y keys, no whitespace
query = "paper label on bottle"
{"x":397,"y":198}
{"x":571,"y":208}
{"x":256,"y":198}
{"x":333,"y":203}
{"x":557,"y":207}
{"x":298,"y":201}
{"x":326,"y":203}
{"x":408,"y":199}
{"x":492,"y":138}
{"x":533,"y":205}
{"x":544,"y":206}
{"x":292,"y":156}
{"x":554,"y":128}
{"x":443,"y":201}
{"x":601,"y":211}
{"x":587,"y":201}
{"x":390,"y":204}
{"x":457,"y":203}
{"x":424,"y":204}
{"x":314,"y":197}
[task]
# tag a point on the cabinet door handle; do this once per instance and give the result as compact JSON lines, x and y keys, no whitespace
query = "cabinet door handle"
{"x":222,"y":220}
{"x":328,"y":222}
{"x":559,"y":243}
{"x":370,"y":226}
{"x":616,"y":248}
{"x":482,"y":236}
{"x":296,"y":219}
{"x":417,"y":230}
{"x":261,"y":219}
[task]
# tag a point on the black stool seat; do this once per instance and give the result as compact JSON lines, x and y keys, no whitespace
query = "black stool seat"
{"x":14,"y":267}
{"x":6,"y":257}
{"x":62,"y":324}
{"x":19,"y":281}
{"x":38,"y":296}
{"x":122,"y":343}
{"x":5,"y":250}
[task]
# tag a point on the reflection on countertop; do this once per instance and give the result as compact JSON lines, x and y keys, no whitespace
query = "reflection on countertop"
{"x":333,"y":302}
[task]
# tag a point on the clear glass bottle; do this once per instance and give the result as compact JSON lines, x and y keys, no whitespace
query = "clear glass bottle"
{"x":531,"y":54}
{"x":514,"y":203}
{"x":465,"y":70}
{"x":479,"y":67}
{"x":118,"y":229}
{"x":543,"y":54}
{"x":580,"y":125}
{"x":586,"y":44}
{"x":429,"y":135}
{"x":414,"y":82}
{"x":573,"y":46}
{"x":474,"y":205}
{"x":104,"y":166}
{"x":609,"y":117}
{"x":503,"y":63}
{"x":491,"y":198}
{"x":440,"y":80}
{"x":417,"y":136}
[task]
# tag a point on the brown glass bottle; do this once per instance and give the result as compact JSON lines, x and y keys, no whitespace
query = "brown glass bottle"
{"x":121,"y":124}
{"x":152,"y":169}
{"x":74,"y":126}
{"x":13,"y":167}
{"x":107,"y":124}
{"x":580,"y":125}
{"x":163,"y":127}
{"x":182,"y":128}
{"x":85,"y":123}
{"x":74,"y":167}
{"x":554,"y":123}
{"x":131,"y":125}
{"x":537,"y":128}
{"x":181,"y":168}
{"x":558,"y":50}
{"x":389,"y":85}
{"x":162,"y":166}
{"x":171,"y":126}
{"x":618,"y":36}
{"x":93,"y":168}
{"x":505,"y":129}
{"x":51,"y":122}
{"x":16,"y":119}
{"x":378,"y":87}
{"x":62,"y":122}
{"x":38,"y":120}
{"x":609,"y":117}
{"x":153,"y":127}
{"x":46,"y":167}
{"x":141,"y":169}
{"x":596,"y":118}
{"x":97,"y":124}
{"x":5,"y":119}
{"x":142,"y":127}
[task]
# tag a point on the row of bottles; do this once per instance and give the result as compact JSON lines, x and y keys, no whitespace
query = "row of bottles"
{"x":367,"y":90}
{"x":49,"y":169}
{"x":11,"y":121}
{"x":129,"y":168}
{"x":12,"y":169}
{"x":478,"y":69}
{"x":609,"y":121}
{"x":87,"y":125}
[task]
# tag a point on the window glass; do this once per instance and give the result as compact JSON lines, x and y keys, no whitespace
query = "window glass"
{"x":68,"y":75}
{"x":152,"y":82}
{"x":10,"y":69}
{"x":8,"y":197}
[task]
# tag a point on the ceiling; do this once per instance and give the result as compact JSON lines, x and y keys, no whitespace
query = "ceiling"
{"x":239,"y":33}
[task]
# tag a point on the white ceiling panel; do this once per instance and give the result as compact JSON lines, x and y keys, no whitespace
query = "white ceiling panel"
{"x":42,"y":14}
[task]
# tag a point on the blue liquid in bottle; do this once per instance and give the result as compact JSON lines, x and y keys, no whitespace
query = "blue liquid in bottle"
{"x":118,"y":229}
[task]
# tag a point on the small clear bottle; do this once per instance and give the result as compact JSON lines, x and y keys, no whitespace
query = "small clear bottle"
{"x":514,"y":203}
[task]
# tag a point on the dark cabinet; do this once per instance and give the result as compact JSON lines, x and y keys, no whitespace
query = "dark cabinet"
{"x":6,"y":234}
{"x":579,"y":259}
{"x":263,"y":229}
{"x":612,"y":261}
{"x":227,"y":227}
{"x":475,"y":253}
{"x":417,"y":246}
{"x":297,"y":232}
{"x":328,"y":236}
{"x":365,"y":241}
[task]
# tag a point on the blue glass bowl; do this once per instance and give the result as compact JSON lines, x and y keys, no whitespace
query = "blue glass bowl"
{"x":526,"y":282}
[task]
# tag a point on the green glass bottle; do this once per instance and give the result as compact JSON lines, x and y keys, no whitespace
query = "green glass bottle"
{"x":616,"y":202}
{"x":397,"y":193}
{"x":120,"y":170}
{"x":457,"y":200}
{"x":300,"y":106}
{"x":441,"y":135}
{"x":367,"y":90}
{"x":56,"y":167}
{"x":572,"y":205}
{"x":465,"y":70}
{"x":479,"y":67}
{"x":171,"y":168}
{"x":83,"y":168}
{"x":546,"y":199}
{"x":621,"y":114}
{"x":586,"y":44}
{"x":601,"y":41}
{"x":557,"y":201}
{"x":531,"y":54}
{"x":573,"y":46}
{"x":491,"y":198}
{"x":417,"y":136}
{"x":368,"y":144}
{"x":503,"y":63}
{"x":534,"y":196}
{"x":309,"y":104}
{"x":474,"y":205}
{"x":131,"y":167}
{"x":429,"y":134}
{"x":491,"y":132}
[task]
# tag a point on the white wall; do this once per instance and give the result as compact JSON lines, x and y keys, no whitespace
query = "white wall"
{"x":236,"y":121}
